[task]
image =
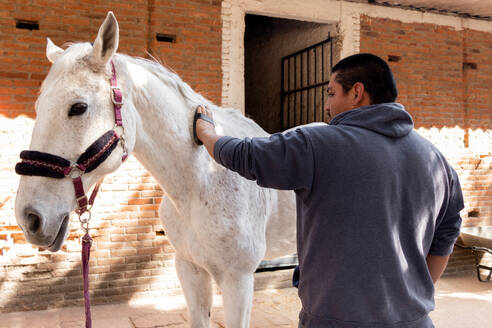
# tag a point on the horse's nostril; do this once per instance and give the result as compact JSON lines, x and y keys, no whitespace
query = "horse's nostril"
{"x":33,"y":222}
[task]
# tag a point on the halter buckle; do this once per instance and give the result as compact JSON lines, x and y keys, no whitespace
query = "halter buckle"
{"x":116,"y":102}
{"x":81,"y":197}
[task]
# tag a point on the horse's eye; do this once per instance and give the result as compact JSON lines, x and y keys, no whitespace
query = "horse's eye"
{"x":77,"y":109}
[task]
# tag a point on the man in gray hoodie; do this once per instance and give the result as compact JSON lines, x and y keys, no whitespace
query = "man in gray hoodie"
{"x":378,"y":206}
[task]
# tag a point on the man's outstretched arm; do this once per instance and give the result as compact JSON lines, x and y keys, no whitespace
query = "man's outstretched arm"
{"x":280,"y":161}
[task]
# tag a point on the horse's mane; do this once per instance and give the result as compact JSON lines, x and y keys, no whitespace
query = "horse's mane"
{"x":171,"y":79}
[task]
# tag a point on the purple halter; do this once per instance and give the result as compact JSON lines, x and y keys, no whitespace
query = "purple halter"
{"x":35,"y":163}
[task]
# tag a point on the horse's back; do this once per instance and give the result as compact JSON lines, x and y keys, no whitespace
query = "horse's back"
{"x":231,"y":122}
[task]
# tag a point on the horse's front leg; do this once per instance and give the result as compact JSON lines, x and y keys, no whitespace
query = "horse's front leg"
{"x":237,"y":297}
{"x":197,"y":288}
{"x":195,"y":281}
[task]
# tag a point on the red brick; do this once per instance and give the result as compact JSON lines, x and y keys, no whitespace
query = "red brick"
{"x":140,"y":201}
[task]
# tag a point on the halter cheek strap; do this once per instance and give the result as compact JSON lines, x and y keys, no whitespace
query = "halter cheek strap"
{"x":116,"y":97}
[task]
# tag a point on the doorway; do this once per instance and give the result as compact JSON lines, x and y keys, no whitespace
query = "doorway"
{"x":269,"y":98}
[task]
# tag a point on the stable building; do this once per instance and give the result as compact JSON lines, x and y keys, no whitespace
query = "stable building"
{"x":268,"y":59}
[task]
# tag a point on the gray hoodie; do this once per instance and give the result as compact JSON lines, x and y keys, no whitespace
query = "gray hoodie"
{"x":374,"y":198}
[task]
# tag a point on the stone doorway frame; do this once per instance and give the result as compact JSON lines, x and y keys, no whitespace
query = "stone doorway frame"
{"x":233,"y":28}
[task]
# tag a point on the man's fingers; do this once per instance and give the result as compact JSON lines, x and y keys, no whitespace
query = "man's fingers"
{"x":203,"y":110}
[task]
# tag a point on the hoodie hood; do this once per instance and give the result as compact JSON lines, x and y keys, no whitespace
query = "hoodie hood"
{"x":389,"y":119}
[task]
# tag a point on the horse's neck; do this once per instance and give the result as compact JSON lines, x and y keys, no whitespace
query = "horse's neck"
{"x":163,"y":138}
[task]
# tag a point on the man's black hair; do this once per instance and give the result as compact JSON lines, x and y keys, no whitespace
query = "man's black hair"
{"x":371,"y":71}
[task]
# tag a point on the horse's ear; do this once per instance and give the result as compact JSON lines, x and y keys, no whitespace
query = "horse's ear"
{"x":106,"y":43}
{"x":52,"y":51}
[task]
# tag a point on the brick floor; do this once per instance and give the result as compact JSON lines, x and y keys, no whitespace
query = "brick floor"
{"x":460,"y":302}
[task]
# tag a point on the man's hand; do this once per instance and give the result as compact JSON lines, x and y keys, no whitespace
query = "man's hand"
{"x":205,"y":131}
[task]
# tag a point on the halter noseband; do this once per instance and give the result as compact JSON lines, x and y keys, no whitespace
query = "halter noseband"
{"x":35,"y":163}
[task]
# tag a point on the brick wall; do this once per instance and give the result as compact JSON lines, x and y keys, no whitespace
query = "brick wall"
{"x":444,"y":79}
{"x":131,"y":256}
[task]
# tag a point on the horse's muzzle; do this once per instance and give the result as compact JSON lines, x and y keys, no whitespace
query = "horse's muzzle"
{"x":38,"y":232}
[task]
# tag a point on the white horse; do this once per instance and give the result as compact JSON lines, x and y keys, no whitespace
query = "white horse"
{"x":220,"y":224}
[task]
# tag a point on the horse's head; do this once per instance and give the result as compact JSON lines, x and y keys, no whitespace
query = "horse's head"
{"x":73,"y":110}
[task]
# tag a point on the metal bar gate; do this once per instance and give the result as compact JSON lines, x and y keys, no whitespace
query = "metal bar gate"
{"x":305,"y":77}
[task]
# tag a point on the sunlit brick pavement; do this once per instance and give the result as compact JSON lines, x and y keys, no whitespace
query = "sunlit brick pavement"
{"x":272,"y":308}
{"x":460,"y":302}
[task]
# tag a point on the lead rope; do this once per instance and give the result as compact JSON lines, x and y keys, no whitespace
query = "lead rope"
{"x":86,"y":254}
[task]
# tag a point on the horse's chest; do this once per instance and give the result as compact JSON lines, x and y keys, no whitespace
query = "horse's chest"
{"x":209,"y":240}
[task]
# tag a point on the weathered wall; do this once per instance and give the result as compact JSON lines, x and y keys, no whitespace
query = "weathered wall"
{"x":130,"y":254}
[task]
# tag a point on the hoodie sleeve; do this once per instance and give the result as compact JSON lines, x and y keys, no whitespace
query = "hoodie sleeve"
{"x":281,"y":161}
{"x":448,"y":229}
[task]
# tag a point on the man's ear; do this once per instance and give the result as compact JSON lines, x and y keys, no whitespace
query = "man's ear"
{"x":359,"y":95}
